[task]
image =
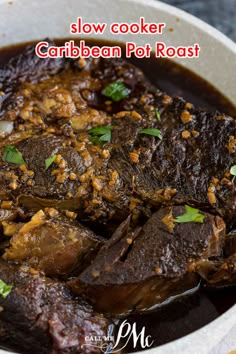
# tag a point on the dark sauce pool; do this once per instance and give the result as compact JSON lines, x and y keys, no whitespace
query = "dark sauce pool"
{"x":187,"y":313}
{"x":164,"y":73}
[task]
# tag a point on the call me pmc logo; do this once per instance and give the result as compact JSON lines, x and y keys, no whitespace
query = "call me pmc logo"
{"x":126,"y":333}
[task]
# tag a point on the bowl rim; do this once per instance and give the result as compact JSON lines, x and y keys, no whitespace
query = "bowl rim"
{"x":214,"y":32}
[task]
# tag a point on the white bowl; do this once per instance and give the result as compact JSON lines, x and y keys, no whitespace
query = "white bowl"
{"x":26,"y":20}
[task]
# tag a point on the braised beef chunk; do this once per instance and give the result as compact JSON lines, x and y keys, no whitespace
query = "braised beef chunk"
{"x":54,"y":244}
{"x":41,"y":315}
{"x":222,"y":271}
{"x":190,"y":164}
{"x":136,"y":270}
{"x":29,"y":67}
{"x":23,"y":68}
{"x":35,"y":152}
{"x":230,"y":244}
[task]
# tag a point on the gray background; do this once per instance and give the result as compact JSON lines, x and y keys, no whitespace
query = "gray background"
{"x":218,"y":13}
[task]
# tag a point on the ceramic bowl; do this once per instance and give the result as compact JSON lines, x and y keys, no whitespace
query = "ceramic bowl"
{"x":26,"y":20}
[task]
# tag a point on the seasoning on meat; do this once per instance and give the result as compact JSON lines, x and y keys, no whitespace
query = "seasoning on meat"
{"x":126,"y":272}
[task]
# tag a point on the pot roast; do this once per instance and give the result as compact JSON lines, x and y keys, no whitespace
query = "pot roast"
{"x":91,"y":145}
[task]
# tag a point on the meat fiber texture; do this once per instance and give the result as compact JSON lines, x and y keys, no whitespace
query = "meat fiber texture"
{"x":41,"y":316}
{"x":134,"y":271}
{"x":131,"y":172}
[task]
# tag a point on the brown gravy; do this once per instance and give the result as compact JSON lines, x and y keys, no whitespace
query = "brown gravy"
{"x":191,"y":312}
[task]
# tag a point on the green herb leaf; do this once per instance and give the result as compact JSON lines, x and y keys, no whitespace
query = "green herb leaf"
{"x":151,"y":131}
{"x":49,"y":161}
{"x":100,"y":130}
{"x":12,"y":155}
{"x":100,"y":134}
{"x":4,"y":289}
{"x":116,"y":91}
{"x":106,"y":137}
{"x":94,"y":140}
{"x":233,"y":170}
{"x":158,"y":115}
{"x":190,"y":215}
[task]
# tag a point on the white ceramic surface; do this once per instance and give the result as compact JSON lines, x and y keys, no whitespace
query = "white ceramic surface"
{"x":26,"y":20}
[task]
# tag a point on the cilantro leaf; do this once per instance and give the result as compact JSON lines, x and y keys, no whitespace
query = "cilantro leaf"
{"x":100,"y":134}
{"x":12,"y":155}
{"x":106,"y":137}
{"x":233,"y":170}
{"x":94,"y":140}
{"x":5,"y":289}
{"x":158,"y":115}
{"x":151,"y":131}
{"x":100,"y":130}
{"x":49,"y":161}
{"x":116,"y":91}
{"x":190,"y":215}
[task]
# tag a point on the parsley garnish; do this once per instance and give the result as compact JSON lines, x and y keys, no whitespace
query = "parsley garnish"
{"x":190,"y":215}
{"x":11,"y":154}
{"x":116,"y":91}
{"x":158,"y":115}
{"x":233,"y":170}
{"x":49,"y":161}
{"x":151,"y":131}
{"x":100,"y":134}
{"x":4,"y":289}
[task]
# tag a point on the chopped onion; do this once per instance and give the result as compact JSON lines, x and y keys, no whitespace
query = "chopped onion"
{"x":6,"y":128}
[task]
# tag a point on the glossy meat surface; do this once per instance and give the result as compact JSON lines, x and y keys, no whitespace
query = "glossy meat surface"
{"x":134,"y":271}
{"x":189,"y":165}
{"x":55,"y":245}
{"x":41,"y":315}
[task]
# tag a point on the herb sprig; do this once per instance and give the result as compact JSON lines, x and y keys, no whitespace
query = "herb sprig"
{"x":151,"y":131}
{"x":5,"y":289}
{"x":190,"y":215}
{"x":100,"y":134}
{"x":49,"y":161}
{"x":233,"y":170}
{"x":158,"y":114}
{"x":116,"y":91}
{"x":12,"y":155}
